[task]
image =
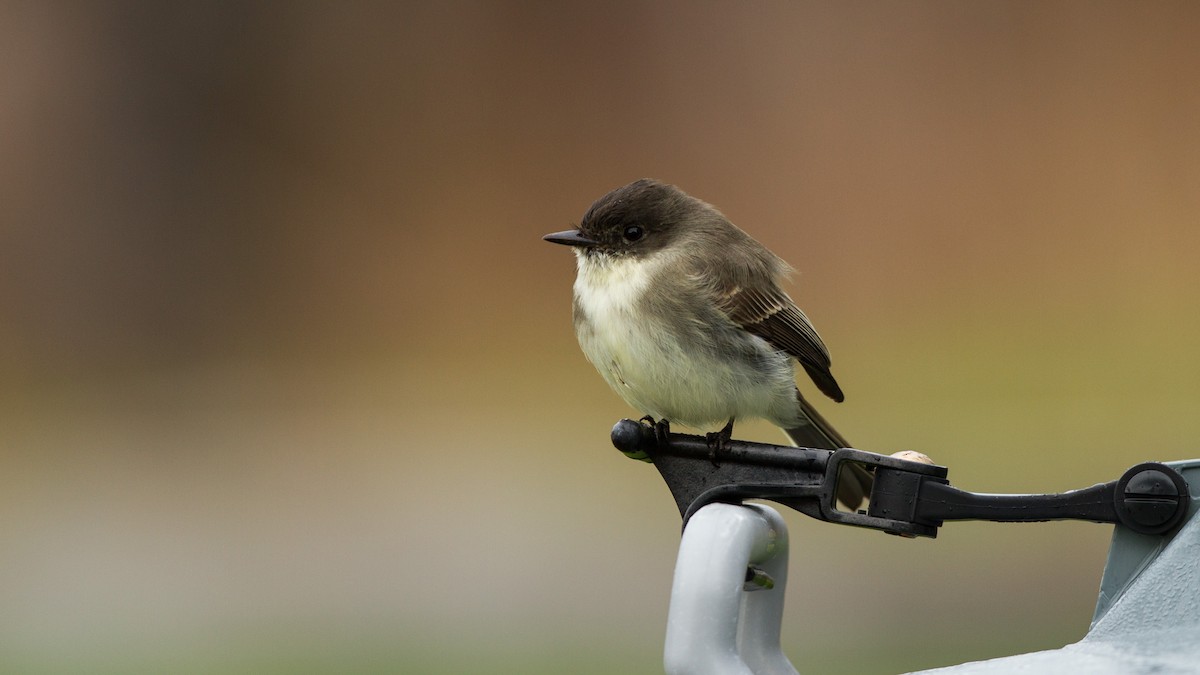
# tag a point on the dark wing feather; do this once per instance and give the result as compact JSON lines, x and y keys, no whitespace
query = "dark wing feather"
{"x":771,"y":314}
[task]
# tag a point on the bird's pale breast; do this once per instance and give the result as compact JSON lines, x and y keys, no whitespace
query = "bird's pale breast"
{"x":643,"y":358}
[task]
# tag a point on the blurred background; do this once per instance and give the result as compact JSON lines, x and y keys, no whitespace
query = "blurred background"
{"x":288,"y":376}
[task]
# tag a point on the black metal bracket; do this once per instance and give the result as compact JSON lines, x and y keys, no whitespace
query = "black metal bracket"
{"x":908,"y":498}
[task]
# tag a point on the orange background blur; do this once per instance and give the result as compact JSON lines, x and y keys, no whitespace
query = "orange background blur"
{"x":289,"y":378}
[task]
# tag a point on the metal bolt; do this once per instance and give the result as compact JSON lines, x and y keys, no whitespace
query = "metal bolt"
{"x":1150,"y":500}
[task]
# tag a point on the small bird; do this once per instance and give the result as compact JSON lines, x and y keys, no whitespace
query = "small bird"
{"x":683,"y":315}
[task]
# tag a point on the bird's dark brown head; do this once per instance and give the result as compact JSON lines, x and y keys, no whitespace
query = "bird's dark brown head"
{"x":637,"y":219}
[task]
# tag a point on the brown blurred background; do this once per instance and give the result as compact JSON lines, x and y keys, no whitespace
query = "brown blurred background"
{"x":289,"y":379}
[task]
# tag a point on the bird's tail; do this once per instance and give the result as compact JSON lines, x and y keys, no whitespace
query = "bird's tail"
{"x":855,"y":482}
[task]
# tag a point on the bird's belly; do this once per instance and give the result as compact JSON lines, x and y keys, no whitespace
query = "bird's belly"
{"x":659,"y":374}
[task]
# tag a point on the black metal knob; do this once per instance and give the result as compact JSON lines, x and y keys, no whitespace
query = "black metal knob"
{"x":629,"y":437}
{"x":1151,"y":498}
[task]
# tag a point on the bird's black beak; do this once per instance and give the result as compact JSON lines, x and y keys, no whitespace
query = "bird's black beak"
{"x":570,"y":238}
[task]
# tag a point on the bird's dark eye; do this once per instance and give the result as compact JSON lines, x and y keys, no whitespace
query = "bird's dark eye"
{"x":633,"y":233}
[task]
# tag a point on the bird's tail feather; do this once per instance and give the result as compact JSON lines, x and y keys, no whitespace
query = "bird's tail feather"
{"x":855,"y":483}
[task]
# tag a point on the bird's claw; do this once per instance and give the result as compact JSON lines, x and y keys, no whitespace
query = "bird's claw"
{"x":662,"y":429}
{"x":717,"y":440}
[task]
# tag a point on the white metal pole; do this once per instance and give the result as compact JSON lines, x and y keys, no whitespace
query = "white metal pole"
{"x":715,"y":626}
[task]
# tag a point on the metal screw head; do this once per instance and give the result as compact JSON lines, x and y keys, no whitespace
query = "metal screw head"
{"x":1151,"y":498}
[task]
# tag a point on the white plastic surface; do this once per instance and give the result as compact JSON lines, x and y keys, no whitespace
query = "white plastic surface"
{"x":715,"y":626}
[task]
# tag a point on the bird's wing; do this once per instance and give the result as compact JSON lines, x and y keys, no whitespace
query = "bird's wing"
{"x":770,"y":314}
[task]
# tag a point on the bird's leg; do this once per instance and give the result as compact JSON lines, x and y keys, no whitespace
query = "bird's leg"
{"x":662,"y":429}
{"x":717,"y":440}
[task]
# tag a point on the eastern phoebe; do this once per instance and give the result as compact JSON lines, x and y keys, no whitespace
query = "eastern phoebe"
{"x":683,"y":315}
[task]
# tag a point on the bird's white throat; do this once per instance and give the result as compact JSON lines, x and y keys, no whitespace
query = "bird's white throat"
{"x":611,"y":286}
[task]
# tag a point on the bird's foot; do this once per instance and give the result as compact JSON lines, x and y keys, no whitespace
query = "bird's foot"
{"x":717,"y":440}
{"x":662,"y":429}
